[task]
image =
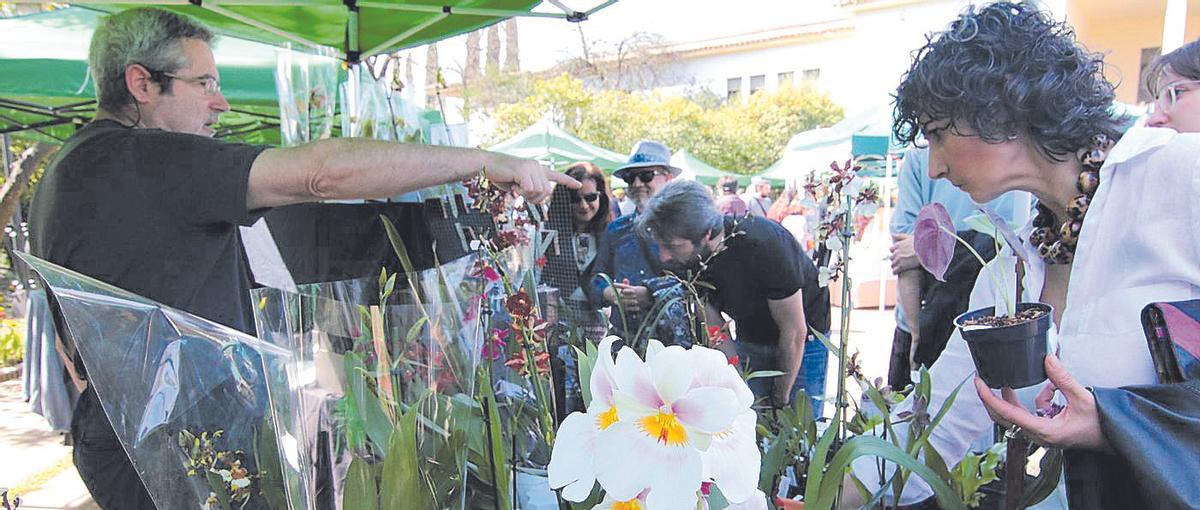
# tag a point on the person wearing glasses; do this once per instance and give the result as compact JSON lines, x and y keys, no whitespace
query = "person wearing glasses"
{"x":627,"y":261}
{"x":1174,"y":79}
{"x":1007,"y":99}
{"x":590,"y":209}
{"x":1146,"y":423}
{"x":145,"y":199}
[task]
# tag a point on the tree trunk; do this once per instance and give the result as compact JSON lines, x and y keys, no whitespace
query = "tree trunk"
{"x":431,"y":75}
{"x":22,"y":171}
{"x":472,"y":69}
{"x":492,"y":64}
{"x":512,"y":59}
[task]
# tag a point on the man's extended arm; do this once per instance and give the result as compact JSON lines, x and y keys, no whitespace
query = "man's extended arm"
{"x":788,"y":313}
{"x":349,"y":168}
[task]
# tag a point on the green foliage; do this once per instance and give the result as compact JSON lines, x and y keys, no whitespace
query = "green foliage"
{"x":738,"y":136}
{"x":12,"y":342}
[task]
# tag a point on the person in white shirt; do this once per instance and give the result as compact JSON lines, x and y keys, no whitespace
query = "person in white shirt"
{"x":1009,"y":101}
{"x":758,"y":197}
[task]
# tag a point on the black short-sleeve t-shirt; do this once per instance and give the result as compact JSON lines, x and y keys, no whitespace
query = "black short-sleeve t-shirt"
{"x":153,"y":212}
{"x":764,"y":262}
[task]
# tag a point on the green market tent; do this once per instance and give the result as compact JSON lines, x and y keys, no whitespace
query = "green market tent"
{"x":698,"y":170}
{"x":355,"y":28}
{"x":45,"y":85}
{"x":815,"y":149}
{"x":545,"y":141}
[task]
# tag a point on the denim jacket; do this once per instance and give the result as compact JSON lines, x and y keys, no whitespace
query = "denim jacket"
{"x":623,"y":254}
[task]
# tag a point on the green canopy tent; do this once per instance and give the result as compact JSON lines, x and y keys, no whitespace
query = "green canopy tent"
{"x":815,"y":149}
{"x":545,"y":141}
{"x":46,"y":92}
{"x":698,"y":170}
{"x":356,"y":29}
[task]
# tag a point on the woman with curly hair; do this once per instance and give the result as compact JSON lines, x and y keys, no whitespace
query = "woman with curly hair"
{"x":1008,"y":100}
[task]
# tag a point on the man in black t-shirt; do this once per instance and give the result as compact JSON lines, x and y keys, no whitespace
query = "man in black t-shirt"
{"x":143,"y":198}
{"x":760,"y":277}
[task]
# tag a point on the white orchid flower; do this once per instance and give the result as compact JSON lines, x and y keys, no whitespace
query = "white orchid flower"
{"x":572,"y":460}
{"x":733,"y":460}
{"x":666,"y":421}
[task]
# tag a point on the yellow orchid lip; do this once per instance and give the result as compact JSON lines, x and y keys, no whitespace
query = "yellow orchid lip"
{"x":607,"y":418}
{"x":664,"y":427}
{"x":632,"y":504}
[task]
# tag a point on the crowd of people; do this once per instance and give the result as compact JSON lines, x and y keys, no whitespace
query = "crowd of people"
{"x":1006,"y":110}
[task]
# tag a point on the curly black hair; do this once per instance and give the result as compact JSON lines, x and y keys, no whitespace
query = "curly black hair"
{"x":1005,"y":69}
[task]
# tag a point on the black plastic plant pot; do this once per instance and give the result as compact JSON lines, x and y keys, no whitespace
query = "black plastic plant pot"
{"x":1008,"y":356}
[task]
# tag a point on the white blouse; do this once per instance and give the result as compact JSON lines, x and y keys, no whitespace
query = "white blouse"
{"x":1140,"y":243}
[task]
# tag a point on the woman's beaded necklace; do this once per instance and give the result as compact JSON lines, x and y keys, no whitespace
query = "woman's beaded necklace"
{"x":1057,"y":245}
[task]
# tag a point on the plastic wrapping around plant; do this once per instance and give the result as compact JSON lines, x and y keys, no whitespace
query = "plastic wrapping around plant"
{"x":382,"y":391}
{"x":307,"y":85}
{"x":189,"y":399}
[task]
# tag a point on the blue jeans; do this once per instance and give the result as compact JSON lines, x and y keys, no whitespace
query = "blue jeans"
{"x":811,"y":376}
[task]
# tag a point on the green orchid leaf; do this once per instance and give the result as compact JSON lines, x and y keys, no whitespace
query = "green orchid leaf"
{"x":361,"y":489}
{"x":401,"y":486}
{"x":861,"y":446}
{"x":1047,"y":479}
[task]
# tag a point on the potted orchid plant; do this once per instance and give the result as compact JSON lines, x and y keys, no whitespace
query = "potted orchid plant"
{"x":1009,"y":345}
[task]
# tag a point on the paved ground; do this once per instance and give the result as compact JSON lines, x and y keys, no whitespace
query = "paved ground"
{"x":35,"y":461}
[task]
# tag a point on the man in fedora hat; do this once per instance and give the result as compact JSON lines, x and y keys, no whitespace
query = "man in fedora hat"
{"x":627,"y":260}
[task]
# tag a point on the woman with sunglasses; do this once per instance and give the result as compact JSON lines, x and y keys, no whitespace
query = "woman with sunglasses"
{"x":590,"y":210}
{"x":1007,"y":100}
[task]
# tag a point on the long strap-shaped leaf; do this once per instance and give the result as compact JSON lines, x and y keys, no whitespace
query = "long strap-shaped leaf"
{"x":870,"y":445}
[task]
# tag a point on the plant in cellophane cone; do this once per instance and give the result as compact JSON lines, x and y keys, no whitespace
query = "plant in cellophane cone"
{"x":520,"y":318}
{"x":381,"y":410}
{"x":1008,"y":345}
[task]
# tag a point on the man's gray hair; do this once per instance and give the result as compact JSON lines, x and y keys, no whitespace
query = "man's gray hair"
{"x":680,"y":210}
{"x":147,"y":36}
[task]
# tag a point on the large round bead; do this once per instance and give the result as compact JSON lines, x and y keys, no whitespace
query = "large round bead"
{"x":1041,"y":235}
{"x":1061,"y":254}
{"x":1078,"y":207}
{"x":1069,"y":233}
{"x":1089,"y":180}
{"x":1044,"y":251}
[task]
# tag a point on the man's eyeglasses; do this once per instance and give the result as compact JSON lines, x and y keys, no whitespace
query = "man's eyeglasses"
{"x":645,"y":177}
{"x":1169,"y":95}
{"x":586,"y":197}
{"x":211,"y":86}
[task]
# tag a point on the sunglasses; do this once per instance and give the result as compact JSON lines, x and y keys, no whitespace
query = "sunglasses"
{"x":586,"y":197}
{"x":645,"y":177}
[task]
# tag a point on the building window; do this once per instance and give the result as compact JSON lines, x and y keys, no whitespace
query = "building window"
{"x":1148,"y":56}
{"x":757,"y":83}
{"x":733,"y":87}
{"x":810,"y":74}
{"x":786,"y":78}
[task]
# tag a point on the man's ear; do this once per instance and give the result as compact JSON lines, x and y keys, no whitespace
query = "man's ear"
{"x":139,"y":82}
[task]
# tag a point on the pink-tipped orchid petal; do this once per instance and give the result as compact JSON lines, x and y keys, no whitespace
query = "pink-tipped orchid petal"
{"x":713,"y":369}
{"x":634,"y":380}
{"x":631,"y":462}
{"x":933,"y":239}
{"x":709,"y":409}
{"x":603,"y":383}
{"x":673,"y":373}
